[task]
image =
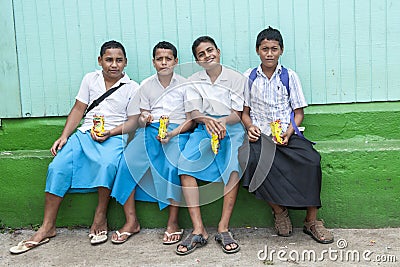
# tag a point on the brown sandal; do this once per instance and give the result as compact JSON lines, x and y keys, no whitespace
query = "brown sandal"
{"x":318,"y":232}
{"x":283,"y":225}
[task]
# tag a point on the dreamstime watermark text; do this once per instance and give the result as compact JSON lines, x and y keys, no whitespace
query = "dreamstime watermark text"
{"x":338,"y":254}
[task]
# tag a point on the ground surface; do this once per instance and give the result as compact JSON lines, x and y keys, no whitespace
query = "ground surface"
{"x":375,"y":247}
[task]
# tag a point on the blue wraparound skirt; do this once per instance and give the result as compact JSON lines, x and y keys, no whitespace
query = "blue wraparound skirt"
{"x":83,"y":165}
{"x":198,"y":159}
{"x":151,"y":168}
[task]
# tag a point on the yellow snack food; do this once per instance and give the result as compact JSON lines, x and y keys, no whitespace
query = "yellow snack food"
{"x":98,"y":125}
{"x":276,"y":129}
{"x":162,"y":129}
{"x":214,"y":143}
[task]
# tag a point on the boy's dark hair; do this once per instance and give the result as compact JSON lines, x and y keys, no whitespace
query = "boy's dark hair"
{"x":111,"y":44}
{"x":202,"y":39}
{"x":269,"y":34}
{"x":165,"y":45}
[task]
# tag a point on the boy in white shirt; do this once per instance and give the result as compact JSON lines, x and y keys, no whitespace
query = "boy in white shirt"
{"x":86,"y":161}
{"x":148,"y":172}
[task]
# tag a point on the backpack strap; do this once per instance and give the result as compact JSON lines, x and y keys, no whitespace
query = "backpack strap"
{"x":284,"y":76}
{"x":252,"y":77}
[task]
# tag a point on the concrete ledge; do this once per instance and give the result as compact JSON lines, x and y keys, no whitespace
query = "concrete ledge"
{"x":359,"y":144}
{"x":360,"y":190}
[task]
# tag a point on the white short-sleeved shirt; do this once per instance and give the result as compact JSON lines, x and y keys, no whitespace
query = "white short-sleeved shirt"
{"x":269,"y":100}
{"x":218,"y":98}
{"x":167,"y":101}
{"x":115,"y":108}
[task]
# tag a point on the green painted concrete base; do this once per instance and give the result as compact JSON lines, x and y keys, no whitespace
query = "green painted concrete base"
{"x":359,"y":145}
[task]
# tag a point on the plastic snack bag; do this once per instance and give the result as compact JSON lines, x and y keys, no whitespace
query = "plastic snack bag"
{"x":98,"y":125}
{"x":162,"y":129}
{"x":276,"y":128}
{"x":214,"y":143}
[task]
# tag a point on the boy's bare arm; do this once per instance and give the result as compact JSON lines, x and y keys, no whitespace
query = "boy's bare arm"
{"x":183,"y":127}
{"x":145,"y":118}
{"x":127,"y":127}
{"x":73,"y":120}
{"x":253,"y":131}
{"x":298,"y":119}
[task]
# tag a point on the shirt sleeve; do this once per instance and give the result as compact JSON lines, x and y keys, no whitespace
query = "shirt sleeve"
{"x":193,"y":97}
{"x":134,"y":102}
{"x":247,"y":89}
{"x":297,"y":99}
{"x":144,"y":98}
{"x":83,"y":93}
{"x":237,"y":93}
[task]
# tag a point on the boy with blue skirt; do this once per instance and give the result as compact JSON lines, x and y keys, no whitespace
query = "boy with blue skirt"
{"x":215,"y":102}
{"x":148,"y":170}
{"x":87,"y":160}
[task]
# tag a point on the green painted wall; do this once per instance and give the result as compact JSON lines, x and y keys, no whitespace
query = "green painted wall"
{"x":344,"y":51}
{"x":359,"y":144}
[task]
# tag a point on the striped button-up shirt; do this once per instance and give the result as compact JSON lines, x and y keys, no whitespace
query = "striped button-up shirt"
{"x":269,"y":99}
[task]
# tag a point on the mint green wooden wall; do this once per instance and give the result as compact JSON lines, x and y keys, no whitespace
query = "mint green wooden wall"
{"x":344,"y":50}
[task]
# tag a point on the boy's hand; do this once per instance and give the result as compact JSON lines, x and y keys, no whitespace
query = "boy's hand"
{"x":100,"y":138}
{"x":285,"y":137}
{"x":145,"y":118}
{"x":58,"y":144}
{"x":164,"y":140}
{"x":216,"y":126}
{"x":253,"y":133}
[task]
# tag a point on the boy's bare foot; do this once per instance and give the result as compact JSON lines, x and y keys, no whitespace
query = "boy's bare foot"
{"x":173,"y":234}
{"x":99,"y":224}
{"x":125,"y":232}
{"x":42,"y":234}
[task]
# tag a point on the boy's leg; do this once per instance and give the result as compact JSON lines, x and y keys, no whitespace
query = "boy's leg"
{"x":230,"y":195}
{"x":131,"y":225}
{"x":311,"y":214}
{"x":191,"y":193}
{"x":100,"y":217}
{"x":173,"y":224}
{"x":283,"y":225}
{"x":48,"y":228}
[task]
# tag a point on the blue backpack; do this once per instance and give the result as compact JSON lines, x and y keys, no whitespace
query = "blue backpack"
{"x":284,"y":76}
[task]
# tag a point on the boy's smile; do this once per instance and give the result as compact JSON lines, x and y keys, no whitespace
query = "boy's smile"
{"x":207,"y":55}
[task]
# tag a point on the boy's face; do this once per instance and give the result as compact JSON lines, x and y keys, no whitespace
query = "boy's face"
{"x":207,"y":55}
{"x":113,"y":63}
{"x":269,"y":52}
{"x":164,"y":61}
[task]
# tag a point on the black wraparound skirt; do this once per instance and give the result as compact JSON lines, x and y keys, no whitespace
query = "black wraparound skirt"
{"x":285,"y":175}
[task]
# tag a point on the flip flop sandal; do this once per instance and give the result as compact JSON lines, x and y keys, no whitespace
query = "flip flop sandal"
{"x":118,"y":241}
{"x":191,"y":242}
{"x":99,"y":238}
{"x":171,"y":234}
{"x":225,"y":239}
{"x":22,"y":246}
{"x":318,"y":232}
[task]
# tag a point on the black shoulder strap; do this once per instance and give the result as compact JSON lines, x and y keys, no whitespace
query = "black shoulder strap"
{"x":96,"y":102}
